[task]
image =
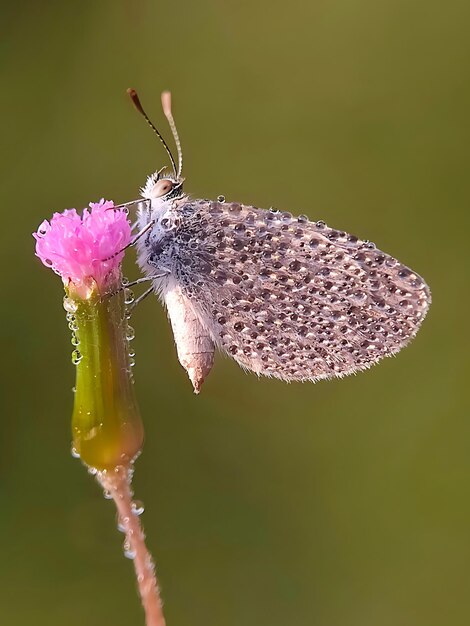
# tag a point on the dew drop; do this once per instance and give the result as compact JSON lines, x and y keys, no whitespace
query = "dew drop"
{"x":302,"y":219}
{"x":137,"y":507}
{"x":74,"y":340}
{"x":70,"y":305}
{"x":215,"y":208}
{"x":220,"y":198}
{"x":74,"y":452}
{"x":129,"y":553}
{"x":128,"y":296}
{"x":320,"y":224}
{"x":130,"y":333}
{"x":120,"y":524}
{"x":359,"y":296}
{"x":295,"y":265}
{"x":76,"y":357}
{"x":220,"y":277}
{"x":107,"y":494}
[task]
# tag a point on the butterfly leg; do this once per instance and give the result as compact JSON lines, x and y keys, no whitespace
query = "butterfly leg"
{"x":124,"y":205}
{"x":141,"y":232}
{"x":144,"y":279}
{"x":141,"y":298}
{"x":133,"y":241}
{"x":138,"y":281}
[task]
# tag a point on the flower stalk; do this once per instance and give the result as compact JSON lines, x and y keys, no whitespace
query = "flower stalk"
{"x":107,"y":432}
{"x":117,"y":483}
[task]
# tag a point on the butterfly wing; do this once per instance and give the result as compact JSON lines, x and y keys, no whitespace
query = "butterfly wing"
{"x":294,"y":299}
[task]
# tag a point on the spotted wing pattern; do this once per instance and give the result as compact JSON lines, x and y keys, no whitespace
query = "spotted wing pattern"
{"x":290,"y":298}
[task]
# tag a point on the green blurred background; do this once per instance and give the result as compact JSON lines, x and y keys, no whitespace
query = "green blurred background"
{"x":344,"y":503}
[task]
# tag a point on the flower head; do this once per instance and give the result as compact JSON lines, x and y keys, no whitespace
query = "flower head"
{"x":86,"y":251}
{"x":90,"y":246}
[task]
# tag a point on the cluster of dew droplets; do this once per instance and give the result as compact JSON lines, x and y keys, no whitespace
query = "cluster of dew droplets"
{"x":123,"y":523}
{"x":137,"y":509}
{"x":70,"y":307}
{"x":129,"y":330}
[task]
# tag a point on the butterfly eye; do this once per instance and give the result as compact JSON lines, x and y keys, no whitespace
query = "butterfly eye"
{"x":161,"y":188}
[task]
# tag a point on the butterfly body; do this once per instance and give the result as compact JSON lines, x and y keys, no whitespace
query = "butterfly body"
{"x":284,"y":296}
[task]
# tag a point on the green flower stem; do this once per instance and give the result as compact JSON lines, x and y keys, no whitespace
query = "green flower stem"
{"x":106,"y":424}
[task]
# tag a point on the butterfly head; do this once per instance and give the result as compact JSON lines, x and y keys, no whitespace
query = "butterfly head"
{"x":162,"y":186}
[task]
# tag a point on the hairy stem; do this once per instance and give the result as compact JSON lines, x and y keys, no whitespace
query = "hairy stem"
{"x":118,"y":483}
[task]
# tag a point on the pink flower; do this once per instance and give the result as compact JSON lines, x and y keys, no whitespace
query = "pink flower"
{"x":82,"y":247}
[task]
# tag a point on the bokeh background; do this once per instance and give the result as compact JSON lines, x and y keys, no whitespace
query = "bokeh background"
{"x":344,"y":503}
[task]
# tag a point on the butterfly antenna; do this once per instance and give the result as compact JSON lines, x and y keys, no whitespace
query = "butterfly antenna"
{"x":135,"y":99}
{"x":166,"y":106}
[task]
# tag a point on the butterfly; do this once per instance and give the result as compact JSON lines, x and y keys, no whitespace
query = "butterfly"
{"x":284,"y":296}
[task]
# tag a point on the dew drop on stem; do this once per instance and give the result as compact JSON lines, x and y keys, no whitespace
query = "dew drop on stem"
{"x":70,"y":305}
{"x":120,"y":524}
{"x":138,"y":507}
{"x":76,"y":357}
{"x":129,"y":553}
